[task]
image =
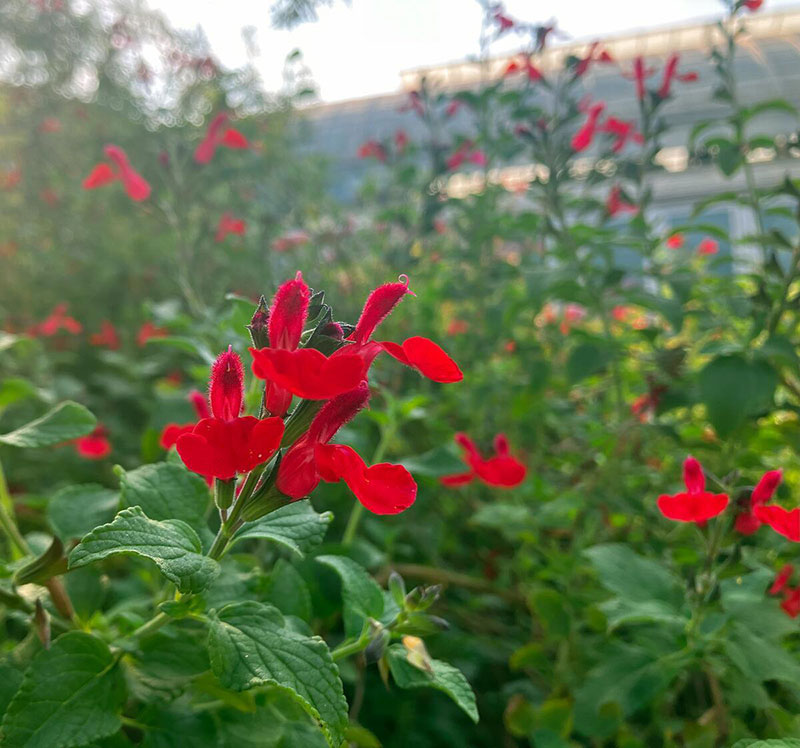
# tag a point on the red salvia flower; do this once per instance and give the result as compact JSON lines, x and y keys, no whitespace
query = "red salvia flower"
{"x":781,"y":580}
{"x":616,"y":203}
{"x":466,"y":152}
{"x":595,"y":54}
{"x":502,"y":470}
{"x":783,"y":521}
{"x":148,"y":331}
{"x":623,"y":131}
{"x":219,"y":134}
{"x":671,"y":73}
{"x":426,"y":357}
{"x":229,"y":225}
{"x":523,"y":65}
{"x":582,"y":139}
{"x":791,"y":602}
{"x":747,"y":522}
{"x":95,"y":446}
{"x":172,"y":431}
{"x":106,"y":337}
{"x":372,"y":149}
{"x":675,"y":241}
{"x":695,"y":504}
{"x":56,"y":321}
{"x":226,"y":443}
{"x":708,"y":246}
{"x":640,"y":75}
{"x":752,"y":5}
{"x":120,"y":169}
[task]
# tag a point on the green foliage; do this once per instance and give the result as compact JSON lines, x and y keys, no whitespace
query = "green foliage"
{"x":64,"y":422}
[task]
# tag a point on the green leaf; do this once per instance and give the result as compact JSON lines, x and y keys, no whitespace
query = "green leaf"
{"x":64,"y":422}
{"x":250,"y":645}
{"x":70,"y":695}
{"x":288,"y":591}
{"x":14,"y":389}
{"x":295,"y":526}
{"x":513,"y":518}
{"x":774,"y":743}
{"x":171,"y":544}
{"x":363,"y":597}
{"x":443,"y":677}
{"x":734,"y":388}
{"x":167,"y":491}
{"x":633,"y":577}
{"x":585,"y":360}
{"x":75,"y":510}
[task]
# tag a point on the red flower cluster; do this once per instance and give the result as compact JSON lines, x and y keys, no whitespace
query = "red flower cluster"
{"x":372,"y":149}
{"x":119,"y":169}
{"x":523,"y":65}
{"x":791,"y":595}
{"x":623,"y":131}
{"x":641,"y":73}
{"x":173,"y":431}
{"x":107,"y":337}
{"x":229,"y":225}
{"x":57,"y":320}
{"x":502,"y":470}
{"x":747,"y":522}
{"x":219,"y":135}
{"x":695,"y":504}
{"x":466,"y":152}
{"x":596,"y":54}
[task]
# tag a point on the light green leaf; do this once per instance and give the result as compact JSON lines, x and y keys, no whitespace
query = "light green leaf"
{"x":167,"y":491}
{"x":172,"y":544}
{"x":363,"y":597}
{"x":75,"y":510}
{"x":443,"y":677}
{"x":70,"y":695}
{"x":14,"y":389}
{"x":64,"y":422}
{"x":250,"y":645}
{"x":295,"y":526}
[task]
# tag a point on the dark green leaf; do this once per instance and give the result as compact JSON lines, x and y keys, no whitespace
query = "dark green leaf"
{"x":64,"y":422}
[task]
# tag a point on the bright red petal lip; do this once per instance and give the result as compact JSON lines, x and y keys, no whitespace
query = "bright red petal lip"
{"x":692,"y":507}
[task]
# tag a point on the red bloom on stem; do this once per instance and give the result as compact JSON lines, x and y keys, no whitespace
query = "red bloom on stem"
{"x":120,"y":169}
{"x":783,"y":521}
{"x":640,"y":75}
{"x":671,"y":73}
{"x":95,"y":446}
{"x":582,"y":139}
{"x":229,"y":225}
{"x":623,"y":131}
{"x":466,"y":152}
{"x":106,"y":337}
{"x":57,"y":320}
{"x":791,"y":602}
{"x":173,"y":431}
{"x":708,"y":246}
{"x":149,"y":331}
{"x":747,"y":522}
{"x":219,"y":134}
{"x":372,"y":149}
{"x":675,"y":241}
{"x":226,"y":443}
{"x":616,"y":203}
{"x":523,"y":65}
{"x":595,"y":54}
{"x":781,"y":580}
{"x":752,"y":5}
{"x":695,"y":504}
{"x":400,"y":140}
{"x":501,"y":470}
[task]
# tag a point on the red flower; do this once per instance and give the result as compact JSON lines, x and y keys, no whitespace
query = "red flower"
{"x":582,"y":139}
{"x":148,"y":331}
{"x":219,"y":134}
{"x":400,"y":140}
{"x":791,"y":602}
{"x":671,"y":73}
{"x":426,"y":357}
{"x":95,"y":446}
{"x":229,"y":225}
{"x":290,"y":240}
{"x":695,"y":504}
{"x":106,"y":337}
{"x":708,"y":247}
{"x":372,"y":149}
{"x":172,"y":431}
{"x":572,"y":313}
{"x":615,"y":203}
{"x":452,"y":107}
{"x":595,"y":54}
{"x":466,"y":152}
{"x":783,"y":521}
{"x":675,"y":241}
{"x":104,"y":173}
{"x":623,"y":131}
{"x":58,"y":320}
{"x":504,"y":23}
{"x":226,"y":443}
{"x":781,"y":579}
{"x":752,"y":5}
{"x":747,"y":522}
{"x":502,"y":470}
{"x":524,"y":65}
{"x":640,"y":74}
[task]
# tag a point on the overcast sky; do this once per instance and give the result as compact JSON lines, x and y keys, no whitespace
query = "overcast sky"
{"x":359,"y":49}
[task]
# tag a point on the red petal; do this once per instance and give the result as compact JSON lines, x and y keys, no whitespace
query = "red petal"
{"x":226,"y":386}
{"x":205,"y":451}
{"x":200,"y":404}
{"x":101,"y":174}
{"x":693,"y":476}
{"x":781,"y":579}
{"x":458,"y":479}
{"x":288,"y":313}
{"x":503,"y":472}
{"x":692,"y":507}
{"x":762,"y":493}
{"x":234,"y":139}
{"x":783,"y":521}
{"x":297,"y":474}
{"x":427,"y":358}
{"x":205,"y":151}
{"x":377,"y":307}
{"x":264,"y":440}
{"x":172,"y":432}
{"x":136,"y":185}
{"x":308,"y":373}
{"x":747,"y":523}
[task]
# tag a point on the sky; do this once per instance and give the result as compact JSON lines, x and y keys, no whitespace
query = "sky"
{"x":359,"y":49}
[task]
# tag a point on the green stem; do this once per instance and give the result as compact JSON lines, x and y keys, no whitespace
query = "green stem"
{"x":351,"y":648}
{"x":154,"y":624}
{"x":19,"y":546}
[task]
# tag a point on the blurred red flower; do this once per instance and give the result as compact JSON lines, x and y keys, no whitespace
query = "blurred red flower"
{"x":502,"y":470}
{"x":695,"y":504}
{"x":219,"y":135}
{"x":104,"y":173}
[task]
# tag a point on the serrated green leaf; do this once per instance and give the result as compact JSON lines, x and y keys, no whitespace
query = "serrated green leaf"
{"x":295,"y":526}
{"x":75,"y":510}
{"x":363,"y":597}
{"x":172,"y":544}
{"x":288,"y":591}
{"x":64,"y":422}
{"x":250,"y":645}
{"x":443,"y":677}
{"x":167,"y":491}
{"x":70,"y":695}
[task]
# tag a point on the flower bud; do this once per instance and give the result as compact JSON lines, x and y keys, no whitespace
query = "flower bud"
{"x":226,"y":387}
{"x":259,"y":325}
